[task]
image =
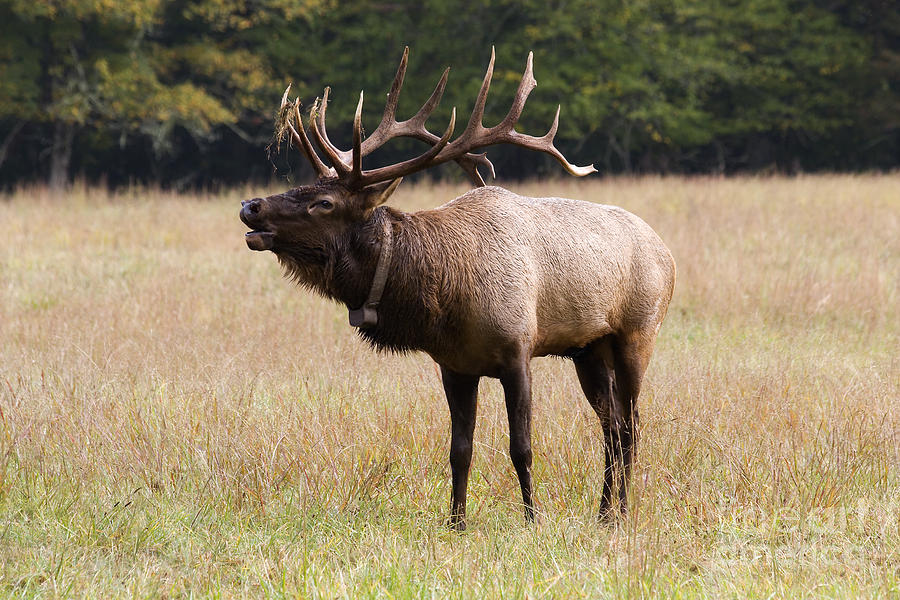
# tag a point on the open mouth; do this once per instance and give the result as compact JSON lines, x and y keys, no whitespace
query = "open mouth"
{"x":259,"y":240}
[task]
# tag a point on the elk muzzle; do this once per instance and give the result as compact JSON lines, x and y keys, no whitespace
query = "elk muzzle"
{"x":258,"y":239}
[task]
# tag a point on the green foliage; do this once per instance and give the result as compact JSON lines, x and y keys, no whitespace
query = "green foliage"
{"x":648,"y":85}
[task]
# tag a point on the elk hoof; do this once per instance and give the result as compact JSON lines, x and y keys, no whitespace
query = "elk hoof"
{"x":608,"y":515}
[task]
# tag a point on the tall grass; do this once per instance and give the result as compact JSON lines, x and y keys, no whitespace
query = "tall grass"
{"x":177,"y":419}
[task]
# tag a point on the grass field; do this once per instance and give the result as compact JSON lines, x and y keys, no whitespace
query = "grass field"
{"x":177,"y":419}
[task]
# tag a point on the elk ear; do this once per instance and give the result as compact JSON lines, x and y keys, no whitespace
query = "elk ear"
{"x":378,"y":194}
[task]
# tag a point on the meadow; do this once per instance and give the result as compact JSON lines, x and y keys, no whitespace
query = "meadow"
{"x":176,"y":419}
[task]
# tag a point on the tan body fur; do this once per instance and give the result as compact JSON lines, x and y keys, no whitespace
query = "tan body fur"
{"x":539,"y":276}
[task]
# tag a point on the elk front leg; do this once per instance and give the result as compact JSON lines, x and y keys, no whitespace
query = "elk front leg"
{"x":462,"y":396}
{"x":517,"y":390}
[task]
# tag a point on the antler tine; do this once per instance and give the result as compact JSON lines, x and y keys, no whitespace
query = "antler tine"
{"x":356,"y":172}
{"x":388,"y":119}
{"x":414,"y":164}
{"x":469,"y":163}
{"x":301,"y":142}
{"x":320,"y":115}
{"x":475,"y":127}
{"x":390,"y":107}
{"x":545,"y":144}
{"x":418,"y":120}
{"x":321,"y":168}
{"x":335,"y":156}
{"x":284,"y":97}
{"x":526,"y":85}
{"x":548,"y":139}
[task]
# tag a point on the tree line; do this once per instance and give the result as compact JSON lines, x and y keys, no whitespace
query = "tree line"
{"x":183,"y":92}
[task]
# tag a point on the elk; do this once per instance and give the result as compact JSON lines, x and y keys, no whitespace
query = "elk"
{"x":481,"y":284}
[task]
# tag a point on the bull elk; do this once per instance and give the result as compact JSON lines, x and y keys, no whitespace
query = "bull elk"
{"x":481,"y":284}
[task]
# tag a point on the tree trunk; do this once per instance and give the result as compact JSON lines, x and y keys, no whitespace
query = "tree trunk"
{"x":720,"y":157}
{"x":623,"y":149}
{"x":7,"y":142}
{"x":61,"y":155}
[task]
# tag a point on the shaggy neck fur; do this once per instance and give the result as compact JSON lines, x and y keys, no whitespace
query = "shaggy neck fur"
{"x":342,"y":269}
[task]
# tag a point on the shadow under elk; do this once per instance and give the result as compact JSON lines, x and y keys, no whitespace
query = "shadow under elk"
{"x":481,"y":284}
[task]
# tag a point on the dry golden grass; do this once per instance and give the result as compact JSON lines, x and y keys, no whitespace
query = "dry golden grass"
{"x":177,"y":419}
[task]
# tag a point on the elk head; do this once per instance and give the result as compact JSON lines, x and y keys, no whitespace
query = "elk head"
{"x":311,"y":215}
{"x":345,"y":195}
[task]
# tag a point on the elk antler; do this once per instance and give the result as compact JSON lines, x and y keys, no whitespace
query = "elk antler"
{"x":298,"y":136}
{"x":348,"y":164}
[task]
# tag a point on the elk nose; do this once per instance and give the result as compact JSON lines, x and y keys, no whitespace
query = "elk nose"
{"x":250,"y":208}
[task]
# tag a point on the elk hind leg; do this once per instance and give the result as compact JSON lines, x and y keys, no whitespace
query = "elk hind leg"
{"x":595,"y":366}
{"x":631,"y":354}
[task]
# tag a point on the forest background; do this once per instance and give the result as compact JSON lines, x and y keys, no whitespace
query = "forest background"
{"x":182,"y":93}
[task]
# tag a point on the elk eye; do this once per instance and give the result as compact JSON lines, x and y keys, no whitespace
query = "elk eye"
{"x":320,"y":206}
